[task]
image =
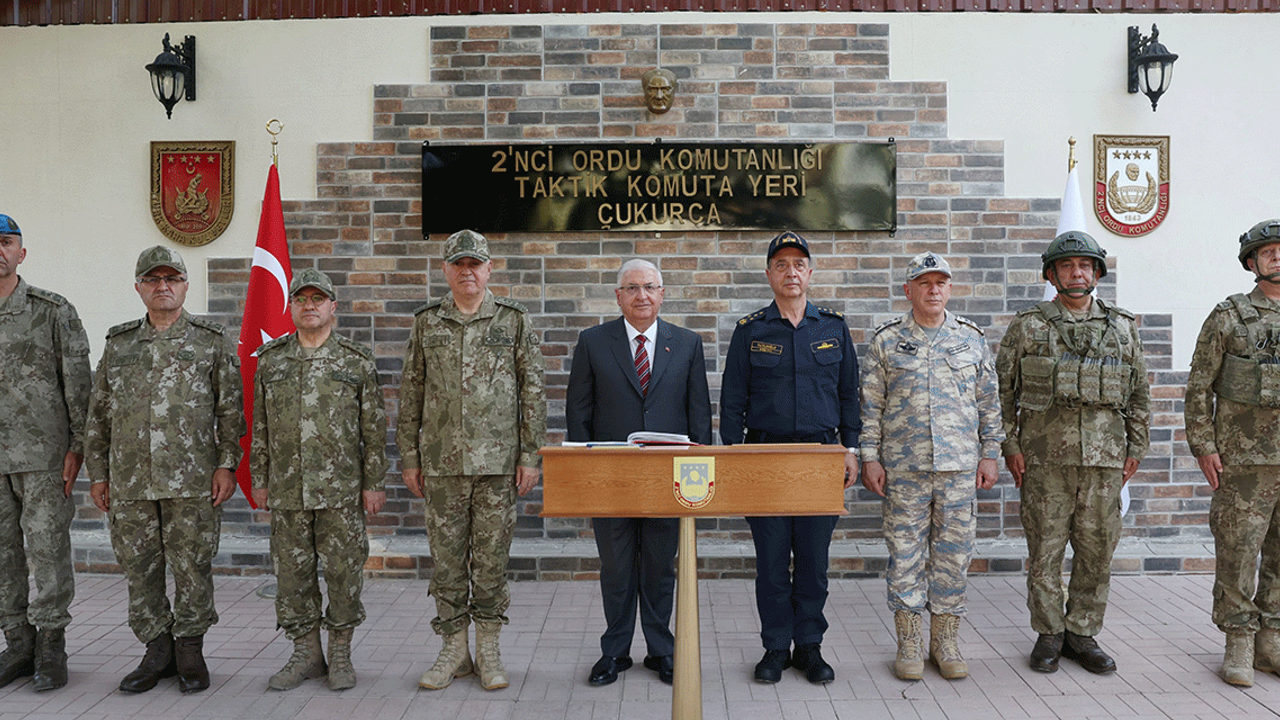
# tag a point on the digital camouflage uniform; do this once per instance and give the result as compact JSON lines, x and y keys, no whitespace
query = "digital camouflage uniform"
{"x":167,"y":410}
{"x":1233,"y":409}
{"x":930,"y":412}
{"x":472,"y":408}
{"x":45,"y":382}
{"x":319,"y":441}
{"x":1075,"y":403}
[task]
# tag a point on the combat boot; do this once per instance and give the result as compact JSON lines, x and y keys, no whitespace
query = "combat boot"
{"x":306,"y":662}
{"x":1266,"y":650}
{"x":1237,"y":662}
{"x":19,"y":659}
{"x":493,"y":676}
{"x":944,"y":646}
{"x":342,"y":675}
{"x":454,"y":661}
{"x":51,"y":659}
{"x":156,"y":663}
{"x":909,"y":664}
{"x":188,"y":656}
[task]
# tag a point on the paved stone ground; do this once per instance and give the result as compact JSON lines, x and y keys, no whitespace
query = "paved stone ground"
{"x":1158,"y":629}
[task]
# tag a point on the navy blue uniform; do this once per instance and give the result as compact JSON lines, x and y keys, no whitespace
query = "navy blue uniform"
{"x":782,"y":384}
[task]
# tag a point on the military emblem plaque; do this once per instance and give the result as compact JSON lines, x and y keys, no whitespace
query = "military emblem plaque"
{"x":695,"y":480}
{"x":1131,"y":182}
{"x":192,"y":189}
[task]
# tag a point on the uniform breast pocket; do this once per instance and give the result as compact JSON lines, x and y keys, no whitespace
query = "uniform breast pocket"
{"x":763,"y":359}
{"x":122,"y":370}
{"x":828,"y":355}
{"x":964,"y":368}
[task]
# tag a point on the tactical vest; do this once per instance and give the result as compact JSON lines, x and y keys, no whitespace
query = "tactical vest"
{"x":1091,"y":371}
{"x":1254,"y":378}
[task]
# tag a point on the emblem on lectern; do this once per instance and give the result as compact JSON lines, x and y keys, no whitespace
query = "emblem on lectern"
{"x":695,"y":481}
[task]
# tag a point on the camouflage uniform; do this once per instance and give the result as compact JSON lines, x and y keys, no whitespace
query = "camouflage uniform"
{"x":1076,"y":403}
{"x":167,"y":410}
{"x":319,"y":441}
{"x":472,"y":408}
{"x":44,"y":378}
{"x":930,"y":412}
{"x":1233,"y":409}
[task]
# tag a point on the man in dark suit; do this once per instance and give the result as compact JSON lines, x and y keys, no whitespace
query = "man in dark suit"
{"x":630,"y":374}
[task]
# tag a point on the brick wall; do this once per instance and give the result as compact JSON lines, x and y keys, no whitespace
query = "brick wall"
{"x":759,"y":81}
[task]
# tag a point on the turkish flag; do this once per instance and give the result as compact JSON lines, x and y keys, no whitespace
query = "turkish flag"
{"x":266,"y":307}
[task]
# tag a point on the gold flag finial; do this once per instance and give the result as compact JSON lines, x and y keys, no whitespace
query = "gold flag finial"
{"x":279,"y":127}
{"x":1071,"y":154}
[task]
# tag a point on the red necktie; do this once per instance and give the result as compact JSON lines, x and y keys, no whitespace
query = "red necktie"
{"x":642,"y":365}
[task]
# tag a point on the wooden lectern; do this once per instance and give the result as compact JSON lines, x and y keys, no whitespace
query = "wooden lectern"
{"x":690,"y":482}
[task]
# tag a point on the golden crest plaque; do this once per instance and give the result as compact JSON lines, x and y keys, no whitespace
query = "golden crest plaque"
{"x":1131,"y":182}
{"x":192,"y":189}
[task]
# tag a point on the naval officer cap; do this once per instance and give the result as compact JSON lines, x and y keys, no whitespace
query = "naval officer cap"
{"x":787,"y":239}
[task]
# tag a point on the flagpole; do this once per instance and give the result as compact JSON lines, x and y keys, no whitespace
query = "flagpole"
{"x":275,"y":159}
{"x":266,"y":309}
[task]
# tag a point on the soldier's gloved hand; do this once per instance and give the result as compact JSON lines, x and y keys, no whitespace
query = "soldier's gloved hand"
{"x":101,"y":494}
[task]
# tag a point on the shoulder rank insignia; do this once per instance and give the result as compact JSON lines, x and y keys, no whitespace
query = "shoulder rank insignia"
{"x":508,"y":302}
{"x":966,"y":321}
{"x":124,"y":327}
{"x":887,"y":325}
{"x":428,"y":306}
{"x":753,"y":316}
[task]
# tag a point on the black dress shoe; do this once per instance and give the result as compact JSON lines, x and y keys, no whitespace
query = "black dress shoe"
{"x":808,"y":659}
{"x":1085,"y":651}
{"x":770,"y":667}
{"x":664,"y":665}
{"x":1044,"y":656}
{"x":606,"y":669}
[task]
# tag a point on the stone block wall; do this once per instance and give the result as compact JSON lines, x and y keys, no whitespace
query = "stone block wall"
{"x":791,"y":81}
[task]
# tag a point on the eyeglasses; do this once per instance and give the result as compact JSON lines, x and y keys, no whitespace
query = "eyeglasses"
{"x":317,"y":299}
{"x":153,"y":280}
{"x":636,"y":289}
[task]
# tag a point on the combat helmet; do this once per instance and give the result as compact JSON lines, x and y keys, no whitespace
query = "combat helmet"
{"x":1264,"y":233}
{"x":1074,"y":243}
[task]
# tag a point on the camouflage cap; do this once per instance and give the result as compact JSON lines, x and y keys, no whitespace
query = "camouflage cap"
{"x":9,"y":227}
{"x":466,"y":243}
{"x":310,"y":277}
{"x":786,"y":240}
{"x":158,"y":256}
{"x":925,"y":263}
